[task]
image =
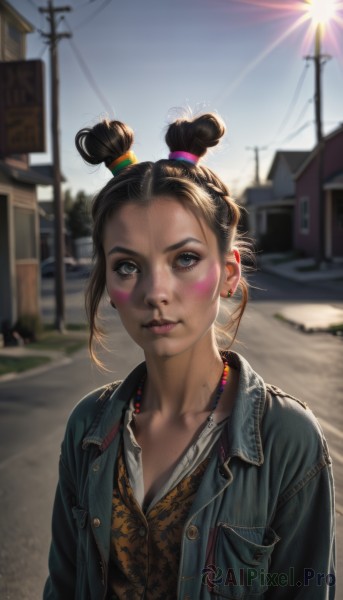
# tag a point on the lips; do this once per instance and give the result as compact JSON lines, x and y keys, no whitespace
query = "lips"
{"x":159,"y":322}
{"x":160,"y":326}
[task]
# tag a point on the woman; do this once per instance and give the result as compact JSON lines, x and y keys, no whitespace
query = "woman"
{"x":191,"y":479}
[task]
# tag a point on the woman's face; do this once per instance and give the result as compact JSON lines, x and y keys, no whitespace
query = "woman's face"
{"x":164,"y":274}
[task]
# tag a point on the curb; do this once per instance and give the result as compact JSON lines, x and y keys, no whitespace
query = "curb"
{"x":305,"y":328}
{"x":36,"y":370}
{"x":301,"y":277}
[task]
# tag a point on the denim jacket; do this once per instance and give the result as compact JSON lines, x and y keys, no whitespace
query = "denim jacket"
{"x":262,"y":522}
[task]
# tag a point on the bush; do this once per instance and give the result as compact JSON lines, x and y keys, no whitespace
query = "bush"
{"x":28,"y":327}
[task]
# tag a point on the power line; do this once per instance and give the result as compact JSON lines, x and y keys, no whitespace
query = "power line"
{"x":88,"y":74}
{"x":92,"y":15}
{"x":43,"y":51}
{"x":294,"y":134}
{"x":33,"y":4}
{"x":302,"y":112}
{"x":294,"y":99}
{"x":87,"y":3}
{"x":292,"y":104}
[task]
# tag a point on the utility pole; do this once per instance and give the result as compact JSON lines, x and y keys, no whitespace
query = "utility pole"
{"x":319,"y":60}
{"x":318,"y":89}
{"x":256,"y":151}
{"x":52,"y":39}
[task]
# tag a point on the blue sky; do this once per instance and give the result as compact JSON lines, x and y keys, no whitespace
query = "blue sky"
{"x":144,"y":61}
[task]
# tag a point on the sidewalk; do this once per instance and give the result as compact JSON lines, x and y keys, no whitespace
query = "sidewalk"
{"x":56,"y":358}
{"x":300,"y":269}
{"x":307,"y":317}
{"x":55,"y":351}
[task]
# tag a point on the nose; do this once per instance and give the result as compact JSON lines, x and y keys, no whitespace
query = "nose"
{"x":157,"y":289}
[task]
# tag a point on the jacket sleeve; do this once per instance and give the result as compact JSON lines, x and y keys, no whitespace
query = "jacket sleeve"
{"x":304,"y":521}
{"x":61,"y":582}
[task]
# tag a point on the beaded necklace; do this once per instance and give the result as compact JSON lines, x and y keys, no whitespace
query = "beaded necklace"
{"x":220,"y":388}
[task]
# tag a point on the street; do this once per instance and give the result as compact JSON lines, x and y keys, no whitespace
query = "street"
{"x":34,"y":409}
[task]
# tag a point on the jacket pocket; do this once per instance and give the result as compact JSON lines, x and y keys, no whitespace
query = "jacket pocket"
{"x":243,"y":556}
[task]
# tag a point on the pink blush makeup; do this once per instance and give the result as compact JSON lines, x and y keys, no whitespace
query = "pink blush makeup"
{"x":205,"y":286}
{"x":119,"y":297}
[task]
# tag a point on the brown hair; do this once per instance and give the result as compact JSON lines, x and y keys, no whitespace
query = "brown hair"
{"x":196,"y":185}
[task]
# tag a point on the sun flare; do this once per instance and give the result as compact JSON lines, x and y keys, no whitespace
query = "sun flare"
{"x":321,"y":11}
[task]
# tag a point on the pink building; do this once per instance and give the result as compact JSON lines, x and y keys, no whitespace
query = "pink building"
{"x":310,"y":221}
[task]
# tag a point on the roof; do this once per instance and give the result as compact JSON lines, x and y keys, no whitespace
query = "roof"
{"x":20,"y":20}
{"x":293,"y":158}
{"x":254,"y":195}
{"x":314,"y":152}
{"x":29,"y":176}
{"x":335,"y":182}
{"x":46,"y":171}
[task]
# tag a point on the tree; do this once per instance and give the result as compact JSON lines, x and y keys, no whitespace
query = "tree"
{"x":78,"y":214}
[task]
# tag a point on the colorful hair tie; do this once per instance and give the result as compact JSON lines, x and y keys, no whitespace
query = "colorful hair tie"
{"x":129,"y":158}
{"x":187,"y":156}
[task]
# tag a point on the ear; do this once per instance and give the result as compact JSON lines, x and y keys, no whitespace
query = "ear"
{"x":232,"y":274}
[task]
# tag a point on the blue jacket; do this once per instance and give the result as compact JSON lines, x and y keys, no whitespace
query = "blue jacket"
{"x":261,"y":525}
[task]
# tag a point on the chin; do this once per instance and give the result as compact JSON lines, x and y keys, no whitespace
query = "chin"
{"x":165,"y":348}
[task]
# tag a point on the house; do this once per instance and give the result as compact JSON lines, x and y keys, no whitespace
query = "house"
{"x":318,"y":228}
{"x":253,"y":200}
{"x":47,"y":230}
{"x":19,"y":228}
{"x":271,"y":206}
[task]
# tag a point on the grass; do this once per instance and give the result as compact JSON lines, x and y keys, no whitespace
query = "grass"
{"x":336,"y":329}
{"x":280,"y":317}
{"x":74,"y":338}
{"x":14,"y":364}
{"x":69,"y":327}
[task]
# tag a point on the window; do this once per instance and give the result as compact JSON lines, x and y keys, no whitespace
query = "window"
{"x":14,"y":47}
{"x":25,"y":234}
{"x":13,"y":33}
{"x":304,"y":215}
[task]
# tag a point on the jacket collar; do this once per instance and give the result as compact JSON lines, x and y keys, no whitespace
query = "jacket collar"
{"x":242,"y":438}
{"x":113,"y":403}
{"x":244,"y":427}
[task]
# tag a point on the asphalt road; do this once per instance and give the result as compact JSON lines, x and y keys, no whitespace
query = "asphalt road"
{"x":34,"y":409}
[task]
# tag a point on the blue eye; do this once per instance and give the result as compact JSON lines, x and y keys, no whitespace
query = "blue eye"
{"x":126,"y":268}
{"x":187,"y":260}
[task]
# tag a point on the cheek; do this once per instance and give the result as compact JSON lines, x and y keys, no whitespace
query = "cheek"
{"x":119,"y":296}
{"x":207,"y":286}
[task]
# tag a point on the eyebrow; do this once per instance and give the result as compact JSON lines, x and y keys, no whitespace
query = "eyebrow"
{"x":123,"y":250}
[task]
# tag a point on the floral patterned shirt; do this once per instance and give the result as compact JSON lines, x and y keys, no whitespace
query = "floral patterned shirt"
{"x":145,"y":547}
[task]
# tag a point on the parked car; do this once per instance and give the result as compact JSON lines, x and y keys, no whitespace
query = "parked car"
{"x":48,"y":266}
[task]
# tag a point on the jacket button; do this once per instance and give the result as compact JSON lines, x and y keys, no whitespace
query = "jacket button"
{"x":192,"y":532}
{"x":96,"y":467}
{"x":96,"y":522}
{"x":142,"y":531}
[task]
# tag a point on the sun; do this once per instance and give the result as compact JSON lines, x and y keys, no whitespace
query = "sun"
{"x":321,"y":11}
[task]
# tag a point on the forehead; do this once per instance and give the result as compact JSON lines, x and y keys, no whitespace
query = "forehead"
{"x":163,"y":220}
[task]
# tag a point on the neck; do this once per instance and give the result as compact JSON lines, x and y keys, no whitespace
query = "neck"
{"x":183,"y":383}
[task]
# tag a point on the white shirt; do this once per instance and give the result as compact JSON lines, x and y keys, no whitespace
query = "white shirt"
{"x":191,"y":459}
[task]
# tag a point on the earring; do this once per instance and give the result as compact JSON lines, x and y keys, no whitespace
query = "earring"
{"x":229,"y":294}
{"x":113,"y":305}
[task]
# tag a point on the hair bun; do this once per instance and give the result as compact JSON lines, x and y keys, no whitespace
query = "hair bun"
{"x":195,"y":136}
{"x":104,"y":142}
